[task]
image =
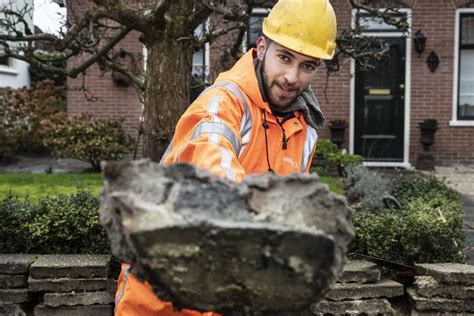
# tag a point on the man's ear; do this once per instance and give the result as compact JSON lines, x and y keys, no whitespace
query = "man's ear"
{"x":261,"y":47}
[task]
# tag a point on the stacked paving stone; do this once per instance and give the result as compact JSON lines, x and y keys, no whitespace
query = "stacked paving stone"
{"x":359,"y":291}
{"x":71,"y":285}
{"x":443,"y":289}
{"x":14,"y":294}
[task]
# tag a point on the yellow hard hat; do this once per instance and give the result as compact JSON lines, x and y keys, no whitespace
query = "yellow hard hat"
{"x":304,"y":26}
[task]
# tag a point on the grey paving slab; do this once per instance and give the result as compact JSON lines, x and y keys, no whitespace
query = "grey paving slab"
{"x":439,"y":304}
{"x":15,"y":263}
{"x":435,"y":313}
{"x":355,"y":291}
{"x":16,"y":296}
{"x":354,"y":307}
{"x":91,"y":310}
{"x":75,"y":298}
{"x":360,"y":271}
{"x":67,"y":284}
{"x":10,"y":309}
{"x":450,"y":273}
{"x":427,"y":286}
{"x":70,"y":266}
{"x":13,"y":281}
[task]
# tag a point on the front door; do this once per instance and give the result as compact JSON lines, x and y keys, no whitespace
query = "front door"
{"x":380,"y":106}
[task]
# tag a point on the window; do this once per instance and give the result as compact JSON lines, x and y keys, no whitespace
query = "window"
{"x":465,"y":81}
{"x":369,"y":23}
{"x":254,"y":29}
{"x":200,"y":71}
{"x":4,"y":60}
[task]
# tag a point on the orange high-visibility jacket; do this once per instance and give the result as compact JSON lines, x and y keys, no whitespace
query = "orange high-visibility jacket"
{"x":223,"y":132}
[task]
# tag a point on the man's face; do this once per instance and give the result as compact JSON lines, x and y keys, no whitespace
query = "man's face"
{"x":285,"y":73}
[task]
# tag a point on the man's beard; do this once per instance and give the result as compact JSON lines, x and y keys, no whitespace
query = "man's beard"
{"x":277,"y":102}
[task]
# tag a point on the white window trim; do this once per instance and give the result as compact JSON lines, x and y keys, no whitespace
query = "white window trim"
{"x":455,"y":121}
{"x":406,"y":138}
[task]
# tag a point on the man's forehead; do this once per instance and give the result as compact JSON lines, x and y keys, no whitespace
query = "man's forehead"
{"x":300,"y":56}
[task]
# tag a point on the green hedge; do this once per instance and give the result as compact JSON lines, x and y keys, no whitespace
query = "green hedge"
{"x":427,"y":229}
{"x":63,"y":224}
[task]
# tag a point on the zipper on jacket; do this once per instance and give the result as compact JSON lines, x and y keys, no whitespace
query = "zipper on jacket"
{"x":265,"y":127}
{"x":285,"y":117}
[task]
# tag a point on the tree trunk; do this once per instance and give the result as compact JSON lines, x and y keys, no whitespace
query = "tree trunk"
{"x":169,"y":63}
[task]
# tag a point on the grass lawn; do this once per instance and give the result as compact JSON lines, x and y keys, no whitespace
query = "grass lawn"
{"x":36,"y":186}
{"x":333,"y":183}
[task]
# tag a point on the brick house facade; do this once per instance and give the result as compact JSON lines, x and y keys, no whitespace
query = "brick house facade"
{"x":406,"y":87}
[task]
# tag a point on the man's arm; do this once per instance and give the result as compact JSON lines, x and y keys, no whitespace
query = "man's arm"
{"x":207,"y":135}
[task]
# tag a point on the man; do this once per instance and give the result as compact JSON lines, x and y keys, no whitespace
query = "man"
{"x":259,"y":116}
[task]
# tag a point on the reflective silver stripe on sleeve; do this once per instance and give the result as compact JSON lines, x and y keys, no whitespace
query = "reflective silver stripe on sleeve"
{"x":212,"y":109}
{"x":226,"y":162}
{"x":217,"y":129}
{"x":119,"y":297}
{"x":309,"y":143}
{"x":246,"y":121}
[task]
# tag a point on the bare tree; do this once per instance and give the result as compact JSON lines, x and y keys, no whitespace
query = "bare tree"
{"x":167,"y":31}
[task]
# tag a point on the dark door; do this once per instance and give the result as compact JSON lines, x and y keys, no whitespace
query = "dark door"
{"x":380,"y":106}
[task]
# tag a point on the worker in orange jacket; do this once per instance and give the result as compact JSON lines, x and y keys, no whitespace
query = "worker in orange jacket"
{"x":260,"y":116}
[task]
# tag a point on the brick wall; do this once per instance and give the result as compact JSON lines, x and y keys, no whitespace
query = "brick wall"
{"x":108,"y":99}
{"x":431,"y":93}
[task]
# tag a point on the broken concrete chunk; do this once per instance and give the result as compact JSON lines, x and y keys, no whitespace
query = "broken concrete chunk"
{"x":359,"y":271}
{"x":70,"y":266}
{"x":439,"y":304}
{"x":427,"y":286}
{"x":354,"y":291}
{"x":207,"y":243}
{"x":450,"y":273}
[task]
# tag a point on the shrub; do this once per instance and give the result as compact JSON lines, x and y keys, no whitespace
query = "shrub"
{"x":330,"y":157}
{"x":55,"y":225}
{"x":427,"y":229}
{"x":14,"y":213}
{"x":421,"y":232}
{"x":21,"y":113}
{"x":366,"y":188}
{"x":87,"y":139}
{"x":406,"y":188}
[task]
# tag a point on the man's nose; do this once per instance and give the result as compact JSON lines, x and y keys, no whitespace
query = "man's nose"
{"x":291,"y":75}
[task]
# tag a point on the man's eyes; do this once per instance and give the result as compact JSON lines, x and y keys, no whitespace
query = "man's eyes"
{"x":309,"y":67}
{"x":284,"y":58}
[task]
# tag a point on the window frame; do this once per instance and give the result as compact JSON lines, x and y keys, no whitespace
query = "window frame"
{"x":456,"y":121}
{"x":256,"y":12}
{"x":206,"y":54}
